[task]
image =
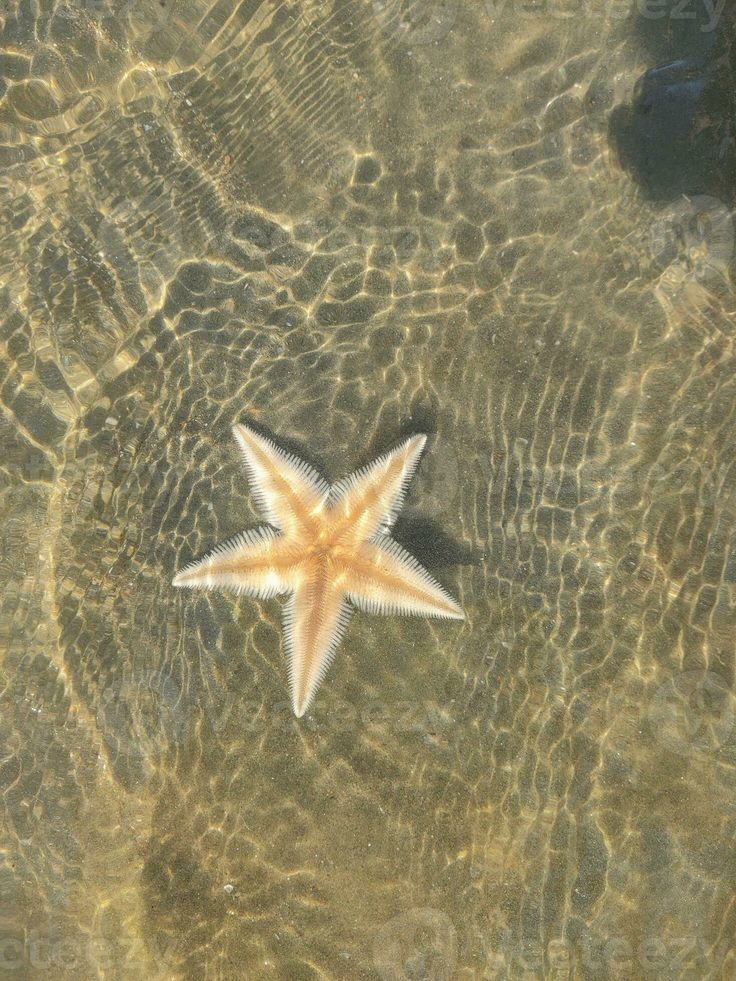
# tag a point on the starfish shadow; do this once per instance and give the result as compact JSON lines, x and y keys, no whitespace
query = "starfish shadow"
{"x":428,"y":543}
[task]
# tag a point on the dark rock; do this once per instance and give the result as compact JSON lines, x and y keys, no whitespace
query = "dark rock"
{"x":678,"y":135}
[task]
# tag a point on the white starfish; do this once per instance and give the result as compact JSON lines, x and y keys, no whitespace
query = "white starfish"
{"x":330,"y":551}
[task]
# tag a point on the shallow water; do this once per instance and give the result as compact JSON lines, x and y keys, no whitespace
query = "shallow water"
{"x":346,"y":222}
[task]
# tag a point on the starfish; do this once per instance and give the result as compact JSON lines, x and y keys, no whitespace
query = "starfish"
{"x":328,"y":547}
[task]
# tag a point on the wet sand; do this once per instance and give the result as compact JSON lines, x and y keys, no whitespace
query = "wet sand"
{"x":346,"y":223}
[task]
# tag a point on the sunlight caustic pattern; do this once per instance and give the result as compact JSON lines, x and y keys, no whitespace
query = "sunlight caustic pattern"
{"x":179,"y":249}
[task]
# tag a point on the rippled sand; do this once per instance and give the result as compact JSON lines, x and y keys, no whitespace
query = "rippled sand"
{"x":347,"y":222}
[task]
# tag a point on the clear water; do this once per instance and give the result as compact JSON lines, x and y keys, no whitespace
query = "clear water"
{"x":348,"y":221}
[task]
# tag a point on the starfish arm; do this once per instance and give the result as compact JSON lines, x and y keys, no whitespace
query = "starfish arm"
{"x":315,"y":619}
{"x":287,"y":490}
{"x":256,"y":562}
{"x":368,"y":501}
{"x":384,"y":578}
